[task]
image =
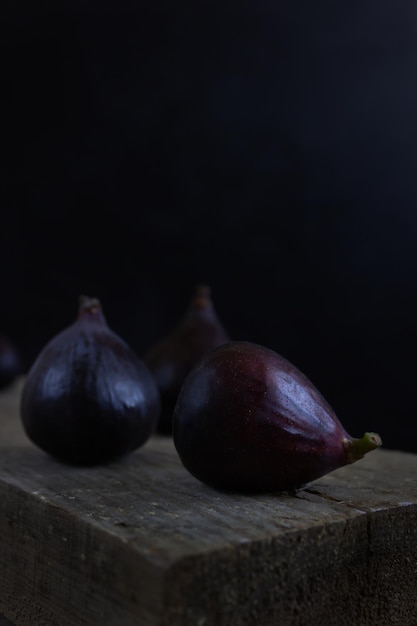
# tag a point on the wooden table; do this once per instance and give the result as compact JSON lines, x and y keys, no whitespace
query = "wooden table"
{"x":141,"y":542}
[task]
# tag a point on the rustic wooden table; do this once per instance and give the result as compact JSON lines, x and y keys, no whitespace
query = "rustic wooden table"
{"x":141,"y":542}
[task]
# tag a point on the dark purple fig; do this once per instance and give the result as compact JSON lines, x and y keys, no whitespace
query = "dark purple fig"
{"x":172,"y":358}
{"x":10,"y":362}
{"x":88,"y":399}
{"x":248,"y":420}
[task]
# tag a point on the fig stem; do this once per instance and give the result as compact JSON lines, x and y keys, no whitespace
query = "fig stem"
{"x":357,"y":448}
{"x":90,"y":308}
{"x":202,"y":298}
{"x":87,"y":303}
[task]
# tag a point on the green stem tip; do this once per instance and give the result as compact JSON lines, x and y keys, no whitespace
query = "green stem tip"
{"x":357,"y":448}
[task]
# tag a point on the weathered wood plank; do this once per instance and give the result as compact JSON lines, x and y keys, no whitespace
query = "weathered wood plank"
{"x":141,"y":542}
{"x":11,"y":431}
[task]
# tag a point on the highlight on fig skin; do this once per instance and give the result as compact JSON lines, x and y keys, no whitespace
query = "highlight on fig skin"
{"x":172,"y":358}
{"x":248,"y":420}
{"x":88,"y":399}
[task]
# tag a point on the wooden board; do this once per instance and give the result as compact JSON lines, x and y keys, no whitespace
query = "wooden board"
{"x":141,"y":542}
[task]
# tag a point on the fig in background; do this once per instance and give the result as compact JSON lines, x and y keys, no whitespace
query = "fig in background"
{"x":10,"y":362}
{"x":172,"y":358}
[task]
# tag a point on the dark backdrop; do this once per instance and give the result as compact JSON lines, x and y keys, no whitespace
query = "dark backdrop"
{"x":265,"y":148}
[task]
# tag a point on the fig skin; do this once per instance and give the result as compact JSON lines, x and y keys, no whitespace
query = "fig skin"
{"x":88,"y":399}
{"x":10,"y":362}
{"x":248,"y":420}
{"x":172,"y":358}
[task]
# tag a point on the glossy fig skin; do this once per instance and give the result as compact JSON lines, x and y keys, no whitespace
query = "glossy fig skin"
{"x":172,"y":358}
{"x":10,"y":362}
{"x":88,"y":399}
{"x":248,"y":420}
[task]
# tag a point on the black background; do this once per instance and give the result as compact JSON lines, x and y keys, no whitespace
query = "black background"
{"x":265,"y":148}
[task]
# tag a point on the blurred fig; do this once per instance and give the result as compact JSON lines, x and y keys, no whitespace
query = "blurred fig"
{"x":10,"y":362}
{"x":88,"y":399}
{"x":172,"y":358}
{"x":248,"y":420}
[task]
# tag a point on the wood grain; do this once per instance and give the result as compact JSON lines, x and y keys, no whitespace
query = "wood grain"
{"x":141,"y":542}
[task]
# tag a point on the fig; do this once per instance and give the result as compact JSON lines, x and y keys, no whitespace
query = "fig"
{"x":173,"y":357}
{"x":88,"y":399}
{"x":247,"y":419}
{"x":10,"y":362}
